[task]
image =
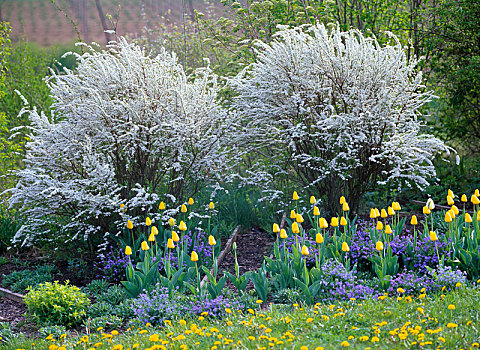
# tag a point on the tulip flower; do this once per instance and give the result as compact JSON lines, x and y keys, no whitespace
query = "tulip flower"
{"x":183,"y":208}
{"x":334,"y":222}
{"x":318,"y":238}
{"x":129,"y":224}
{"x":276,"y":228}
{"x":414,"y":220}
{"x":448,"y":218}
{"x":194,"y":256}
{"x":345,"y":206}
{"x":478,"y":215}
{"x":299,"y":218}
{"x":162,"y":206}
{"x":313,"y":200}
{"x":379,"y":246}
{"x":190,"y":201}
{"x":323,"y":223}
{"x":455,"y":209}
{"x":464,"y":198}
{"x":388,"y":230}
{"x":391,"y":212}
{"x":293,"y":215}
{"x":452,"y":213}
{"x":468,"y":218}
{"x":211,"y":240}
{"x":450,"y":200}
{"x":144,"y":246}
{"x":295,"y":196}
{"x":170,"y":244}
{"x":477,"y":193}
{"x":396,"y":206}
{"x":316,"y":211}
{"x":151,"y":238}
{"x":211,"y":206}
{"x":154,"y":231}
{"x":426,"y":211}
{"x":342,"y":200}
{"x":283,"y":233}
{"x":379,"y":225}
{"x":305,"y":251}
{"x":295,"y":228}
{"x":450,"y":193}
{"x":175,"y":237}
{"x":475,"y":200}
{"x":433,"y":236}
{"x":182,"y":226}
{"x":148,"y":222}
{"x":345,"y":247}
{"x":430,"y":204}
{"x":377,"y":212}
{"x":128,"y":250}
{"x":343,"y":221}
{"x":171,"y":222}
{"x":383,"y":213}
{"x":373,"y":214}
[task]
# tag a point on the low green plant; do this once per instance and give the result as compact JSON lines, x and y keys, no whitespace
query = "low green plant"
{"x":55,"y":303}
{"x":96,"y":287}
{"x":100,"y":309}
{"x":7,"y":333}
{"x":55,"y":331}
{"x":107,"y":322}
{"x":113,"y":295}
{"x":19,"y":281}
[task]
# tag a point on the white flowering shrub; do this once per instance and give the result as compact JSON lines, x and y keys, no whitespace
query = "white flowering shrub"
{"x":126,"y":128}
{"x":335,"y":111}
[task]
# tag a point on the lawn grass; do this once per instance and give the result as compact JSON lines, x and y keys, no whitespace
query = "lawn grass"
{"x":392,"y":323}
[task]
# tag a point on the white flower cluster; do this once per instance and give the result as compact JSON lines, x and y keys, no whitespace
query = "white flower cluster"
{"x":126,"y":126}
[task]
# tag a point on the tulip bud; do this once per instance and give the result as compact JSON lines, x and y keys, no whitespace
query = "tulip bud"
{"x":450,"y":200}
{"x":468,"y":218}
{"x":295,"y":228}
{"x":448,"y":218}
{"x":144,"y":246}
{"x":383,"y":213}
{"x":305,"y":251}
{"x":388,"y":230}
{"x":182,"y":226}
{"x":474,"y":200}
{"x":299,"y":218}
{"x":276,"y":228}
{"x":283,"y":233}
{"x":183,"y":208}
{"x":345,"y":206}
{"x":128,"y":250}
{"x":129,"y":224}
{"x":175,"y":237}
{"x":154,"y":231}
{"x":342,"y":200}
{"x":190,"y":201}
{"x":455,"y":209}
{"x":426,"y":211}
{"x":373,"y":214}
{"x":345,"y":247}
{"x":170,"y":244}
{"x":151,"y":238}
{"x":295,"y":196}
{"x":211,"y":206}
{"x":211,"y":240}
{"x":323,"y":223}
{"x":377,"y":212}
{"x":293,"y":215}
{"x":148,"y":222}
{"x":313,"y":200}
{"x":430,"y":204}
{"x":414,"y":220}
{"x":234,"y":246}
{"x":379,"y":245}
{"x":433,"y":236}
{"x":343,"y":221}
{"x":464,"y":198}
{"x":396,"y":206}
{"x":477,"y":193}
{"x":316,"y":211}
{"x":171,"y":222}
{"x":334,"y":222}
{"x":162,"y":206}
{"x":379,"y":226}
{"x":391,"y":212}
{"x":452,"y":214}
{"x":194,"y":257}
{"x":450,"y":193}
{"x":319,"y":238}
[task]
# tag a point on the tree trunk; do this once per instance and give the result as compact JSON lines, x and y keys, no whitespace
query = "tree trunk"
{"x":108,"y":36}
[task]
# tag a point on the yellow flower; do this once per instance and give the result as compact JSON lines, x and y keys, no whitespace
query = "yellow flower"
{"x":309,"y":320}
{"x":426,"y":211}
{"x":379,"y":225}
{"x":183,"y":208}
{"x":383,"y":213}
{"x":211,"y":240}
{"x":171,"y":222}
{"x":414,"y":220}
{"x":400,"y":290}
{"x":316,"y":211}
{"x":190,"y":201}
{"x":305,"y":251}
{"x":345,"y":207}
{"x":391,"y":212}
{"x":276,"y":228}
{"x":194,"y":256}
{"x":477,"y":193}
{"x":154,"y":230}
{"x":451,"y":325}
{"x":342,"y":200}
{"x":375,"y":339}
{"x":162,"y":206}
{"x":396,"y":206}
{"x":377,"y":212}
{"x":450,"y":200}
{"x":478,"y":215}
{"x":128,"y":250}
{"x":430,"y":204}
{"x":468,"y":218}
{"x":295,"y":228}
{"x":343,"y":221}
{"x":474,"y":199}
{"x":452,"y":213}
{"x":299,"y":218}
{"x":154,"y":337}
{"x":283,"y":233}
{"x":313,"y":200}
{"x":211,"y":206}
{"x":334,"y":222}
{"x":448,"y":218}
{"x":363,"y":338}
{"x":170,"y":244}
{"x":148,"y":222}
{"x":151,"y":238}
{"x":144,"y":246}
{"x":464,"y":198}
{"x":388,"y":230}
{"x":295,"y":196}
{"x":373,"y":214}
{"x":293,"y":215}
{"x":451,"y":307}
{"x":345,"y":344}
{"x":420,"y":310}
{"x":345,"y":247}
{"x":323,"y":223}
{"x":433,"y":236}
{"x":182,"y":226}
{"x":319,"y":238}
{"x":379,"y":245}
{"x":129,"y":224}
{"x":175,"y":237}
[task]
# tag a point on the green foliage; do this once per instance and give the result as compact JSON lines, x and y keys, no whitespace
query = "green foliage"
{"x":96,"y":287}
{"x":20,"y":281}
{"x":7,"y":333}
{"x":9,"y":224}
{"x":115,"y":295}
{"x":55,"y":330}
{"x":54,"y":303}
{"x":287,"y":296}
{"x":100,"y":309}
{"x":107,"y":322}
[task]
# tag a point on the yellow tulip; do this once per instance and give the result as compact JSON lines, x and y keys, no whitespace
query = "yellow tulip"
{"x":151,"y":238}
{"x":455,"y":209}
{"x":148,"y":222}
{"x":295,"y":228}
{"x":388,"y":230}
{"x":144,"y":246}
{"x":293,"y":215}
{"x":396,"y":206}
{"x":313,"y":200}
{"x":305,"y":251}
{"x":450,"y":193}
{"x":464,"y":198}
{"x":190,"y":201}
{"x":211,"y":240}
{"x":211,"y":206}
{"x":391,"y":212}
{"x":295,"y":196}
{"x":323,"y":223}
{"x":379,"y":226}
{"x":334,"y":222}
{"x":283,"y":233}
{"x":452,"y":214}
{"x":450,"y":200}
{"x":477,"y":193}
{"x":345,"y":206}
{"x":343,"y":221}
{"x":430,"y":204}
{"x":171,"y":222}
{"x":316,"y":211}
{"x":194,"y":257}
{"x":448,"y":218}
{"x":276,"y":228}
{"x":162,"y":206}
{"x":170,"y":244}
{"x":154,"y":231}
{"x":299,"y":218}
{"x":377,"y":212}
{"x":342,"y":200}
{"x":373,"y":214}
{"x":319,"y":238}
{"x":475,"y":200}
{"x":414,"y":220}
{"x":478,"y":215}
{"x":183,"y":208}
{"x":433,"y":236}
{"x":426,"y":211}
{"x":468,"y":218}
{"x":175,"y":237}
{"x":379,"y":245}
{"x":182,"y":226}
{"x":345,"y":247}
{"x":128,"y":250}
{"x":129,"y":224}
{"x":383,"y":213}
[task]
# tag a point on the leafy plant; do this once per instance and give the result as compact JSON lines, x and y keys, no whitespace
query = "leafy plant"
{"x":55,"y":331}
{"x":107,"y":322}
{"x":20,"y":281}
{"x":114,"y":295}
{"x":96,"y":287}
